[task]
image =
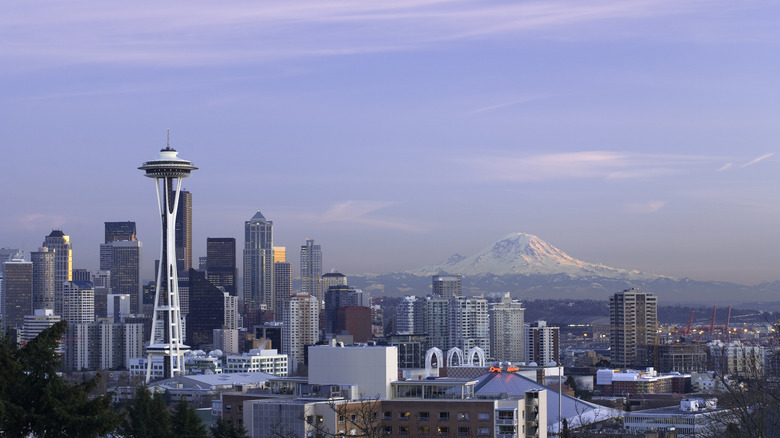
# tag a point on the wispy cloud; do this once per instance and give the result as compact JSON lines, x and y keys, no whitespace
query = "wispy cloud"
{"x":208,"y":33}
{"x":508,"y":104}
{"x":726,"y":166}
{"x":39,"y":221}
{"x":756,"y":160}
{"x":361,"y":212}
{"x":645,"y":207}
{"x":604,"y":165}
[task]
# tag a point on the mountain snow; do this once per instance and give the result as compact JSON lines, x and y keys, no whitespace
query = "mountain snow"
{"x":526,"y":254}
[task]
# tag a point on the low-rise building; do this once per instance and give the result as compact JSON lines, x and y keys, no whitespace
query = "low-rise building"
{"x":265,"y":361}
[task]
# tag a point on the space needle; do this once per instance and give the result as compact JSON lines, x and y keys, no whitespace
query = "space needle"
{"x":167,"y":337}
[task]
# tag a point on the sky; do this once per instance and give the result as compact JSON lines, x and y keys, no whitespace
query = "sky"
{"x":642,"y":134}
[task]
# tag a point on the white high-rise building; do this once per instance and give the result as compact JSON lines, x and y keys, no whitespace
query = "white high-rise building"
{"x":542,"y":343}
{"x":36,"y":323}
{"x":469,"y":324}
{"x":78,"y":302}
{"x":507,"y":319}
{"x":301,"y":327}
{"x":405,"y":316}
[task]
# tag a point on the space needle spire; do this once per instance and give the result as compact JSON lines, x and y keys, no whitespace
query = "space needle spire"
{"x":167,"y":337}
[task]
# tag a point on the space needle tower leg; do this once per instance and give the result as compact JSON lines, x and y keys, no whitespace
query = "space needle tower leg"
{"x":167,"y":337}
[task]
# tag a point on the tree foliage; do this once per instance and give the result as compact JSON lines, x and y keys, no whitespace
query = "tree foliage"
{"x":36,"y":401}
{"x":185,"y":421}
{"x":225,"y":429}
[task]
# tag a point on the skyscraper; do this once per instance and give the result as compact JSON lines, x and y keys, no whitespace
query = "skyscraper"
{"x":447,"y":286}
{"x":17,"y":293}
{"x":633,"y":317}
{"x":282,"y":281}
{"x":258,"y":263}
{"x":507,"y":319}
{"x":207,"y":310}
{"x":168,"y":342}
{"x":116,"y":231}
{"x":43,"y":279}
{"x":59,"y":243}
{"x":78,"y":302}
{"x":469,"y":326}
{"x":123,"y":259}
{"x":301,"y":327}
{"x":311,"y":269}
{"x":184,"y":232}
{"x":221,"y":263}
{"x":542,"y":343}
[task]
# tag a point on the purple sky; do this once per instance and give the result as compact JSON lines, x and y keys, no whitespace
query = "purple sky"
{"x":636,"y":134}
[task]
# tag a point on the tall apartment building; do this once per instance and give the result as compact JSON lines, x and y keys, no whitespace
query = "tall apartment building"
{"x":59,"y":243}
{"x":337,"y":297}
{"x":123,"y":259}
{"x":184,"y":232}
{"x":469,"y":324}
{"x":447,"y":286}
{"x":38,"y":321}
{"x":436,"y":322}
{"x":633,"y":317}
{"x":221,"y":263}
{"x":405,"y":321}
{"x":43,"y":279}
{"x":330,"y":279}
{"x":507,"y":319}
{"x":17,"y":293}
{"x":542,"y":343}
{"x":282,"y":280}
{"x":301,"y":328}
{"x":258,"y":263}
{"x":78,"y":302}
{"x":311,"y":269}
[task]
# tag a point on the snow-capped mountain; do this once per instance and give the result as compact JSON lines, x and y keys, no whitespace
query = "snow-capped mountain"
{"x":526,"y":254}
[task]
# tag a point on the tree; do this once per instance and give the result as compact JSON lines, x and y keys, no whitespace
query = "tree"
{"x":147,"y":416}
{"x":225,"y":429}
{"x":36,"y":401}
{"x":185,"y":421}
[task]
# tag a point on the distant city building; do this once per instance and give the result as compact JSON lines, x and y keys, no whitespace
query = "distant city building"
{"x":101,"y":282}
{"x":682,"y":358}
{"x":202,"y":263}
{"x":226,"y":340}
{"x":123,"y":259}
{"x":258,"y":263}
{"x":542,"y":343}
{"x":737,"y":359}
{"x":356,"y":321}
{"x":311,"y":270}
{"x":507,"y":320}
{"x":436,"y":322}
{"x":81,"y":274}
{"x":411,"y":349}
{"x":469,"y":324}
{"x":447,"y":286}
{"x":207,"y":310}
{"x":116,"y":231}
{"x":17,"y":293}
{"x":39,"y":321}
{"x":262,"y":361}
{"x":184,"y":232}
{"x":633,"y":317}
{"x":405,"y":320}
{"x":78,"y":302}
{"x":282,"y":284}
{"x":59,"y":243}
{"x":330,"y":279}
{"x":270,"y":335}
{"x":301,"y":328}
{"x":221,"y":263}
{"x":102,"y":345}
{"x":337,"y":297}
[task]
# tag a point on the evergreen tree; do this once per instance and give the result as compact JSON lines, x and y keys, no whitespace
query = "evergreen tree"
{"x":185,"y":421}
{"x":225,"y":429}
{"x":36,"y":401}
{"x":147,"y":416}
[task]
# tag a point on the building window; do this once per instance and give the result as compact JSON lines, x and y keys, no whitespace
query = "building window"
{"x":483,"y":431}
{"x":464,"y":430}
{"x":463,"y":416}
{"x":388,"y":430}
{"x":341,"y":419}
{"x":353,"y":418}
{"x":443,"y":430}
{"x":404,"y":415}
{"x":403,"y":430}
{"x":388,"y":415}
{"x":423,"y":416}
{"x":423,"y":430}
{"x":444,"y":416}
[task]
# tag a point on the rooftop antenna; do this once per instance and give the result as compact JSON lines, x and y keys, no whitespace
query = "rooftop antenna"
{"x":168,"y":145}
